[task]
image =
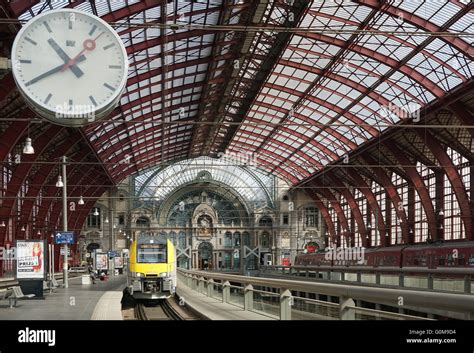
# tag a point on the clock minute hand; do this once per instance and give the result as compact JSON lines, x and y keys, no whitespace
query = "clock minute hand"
{"x":50,"y":72}
{"x":62,"y":54}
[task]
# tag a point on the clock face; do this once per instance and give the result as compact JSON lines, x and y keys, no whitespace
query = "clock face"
{"x":70,"y":66}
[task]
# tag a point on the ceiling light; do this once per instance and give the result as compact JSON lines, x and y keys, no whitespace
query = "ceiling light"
{"x":28,"y":148}
{"x":59,"y":183}
{"x":106,"y":220}
{"x":96,"y":212}
{"x":81,"y":201}
{"x":2,"y":224}
{"x":22,"y":228}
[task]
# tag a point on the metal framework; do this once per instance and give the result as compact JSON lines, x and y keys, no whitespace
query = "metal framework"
{"x":298,"y":100}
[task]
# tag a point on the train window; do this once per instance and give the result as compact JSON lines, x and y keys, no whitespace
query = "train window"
{"x":471,"y":260}
{"x":151,"y":253}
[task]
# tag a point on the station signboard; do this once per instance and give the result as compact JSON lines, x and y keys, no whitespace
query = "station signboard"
{"x":64,"y":237}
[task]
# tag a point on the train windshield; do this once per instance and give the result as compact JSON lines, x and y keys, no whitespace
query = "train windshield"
{"x":151,"y":253}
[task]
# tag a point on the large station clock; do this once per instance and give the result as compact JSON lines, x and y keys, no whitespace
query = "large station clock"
{"x":70,"y":66}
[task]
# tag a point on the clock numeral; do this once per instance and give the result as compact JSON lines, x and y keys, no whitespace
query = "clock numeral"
{"x":24,"y":61}
{"x":109,"y":46}
{"x":115,"y":67}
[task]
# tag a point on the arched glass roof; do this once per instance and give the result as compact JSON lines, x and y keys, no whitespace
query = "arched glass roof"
{"x":306,"y":83}
{"x":251,"y":184}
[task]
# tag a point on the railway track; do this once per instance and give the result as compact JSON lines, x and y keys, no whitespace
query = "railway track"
{"x":165,"y":310}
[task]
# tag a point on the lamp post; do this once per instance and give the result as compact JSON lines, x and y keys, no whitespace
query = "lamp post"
{"x":65,"y":247}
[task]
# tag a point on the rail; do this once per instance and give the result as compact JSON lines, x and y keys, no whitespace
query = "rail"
{"x":285,"y":305}
{"x":338,"y":273}
{"x":163,"y":311}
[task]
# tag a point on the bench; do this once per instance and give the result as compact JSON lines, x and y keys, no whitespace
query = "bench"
{"x":16,"y":295}
{"x":5,"y":293}
{"x":53,"y":284}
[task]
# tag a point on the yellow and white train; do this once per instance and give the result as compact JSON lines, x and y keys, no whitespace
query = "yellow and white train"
{"x":152,"y":268}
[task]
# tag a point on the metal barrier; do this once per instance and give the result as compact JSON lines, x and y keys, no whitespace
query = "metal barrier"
{"x":285,"y":305}
{"x":339,"y":273}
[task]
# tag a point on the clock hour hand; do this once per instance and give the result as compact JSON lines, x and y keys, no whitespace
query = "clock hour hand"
{"x":62,"y":54}
{"x":50,"y":72}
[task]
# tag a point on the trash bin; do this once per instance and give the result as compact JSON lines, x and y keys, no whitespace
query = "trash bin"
{"x":86,"y":279}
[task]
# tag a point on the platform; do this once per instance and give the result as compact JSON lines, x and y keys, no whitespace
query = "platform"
{"x":213,"y":309}
{"x":98,"y":301}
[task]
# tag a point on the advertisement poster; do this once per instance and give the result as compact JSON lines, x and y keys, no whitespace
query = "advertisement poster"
{"x":31,"y":259}
{"x":118,"y":262}
{"x":101,"y":261}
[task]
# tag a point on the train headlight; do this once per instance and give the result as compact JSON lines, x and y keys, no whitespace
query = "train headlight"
{"x":137,"y":274}
{"x":164,"y":274}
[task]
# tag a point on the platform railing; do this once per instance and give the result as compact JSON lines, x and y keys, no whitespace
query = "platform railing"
{"x":431,"y":279}
{"x":291,"y":299}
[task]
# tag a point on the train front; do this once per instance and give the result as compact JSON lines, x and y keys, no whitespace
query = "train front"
{"x":152,"y":270}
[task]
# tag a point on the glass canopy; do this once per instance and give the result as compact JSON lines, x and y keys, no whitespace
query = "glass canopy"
{"x":252,"y":185}
{"x":346,"y":71}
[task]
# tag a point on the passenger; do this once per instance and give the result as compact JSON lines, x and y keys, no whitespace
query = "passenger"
{"x":92,"y":274}
{"x":103,"y":276}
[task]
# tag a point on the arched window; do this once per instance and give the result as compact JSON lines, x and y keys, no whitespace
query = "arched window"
{"x":246,"y":238}
{"x":265,"y":221}
{"x":265,"y":240}
{"x":142,"y":222}
{"x":182,"y":240}
{"x":236,"y":239}
{"x":228,"y":239}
